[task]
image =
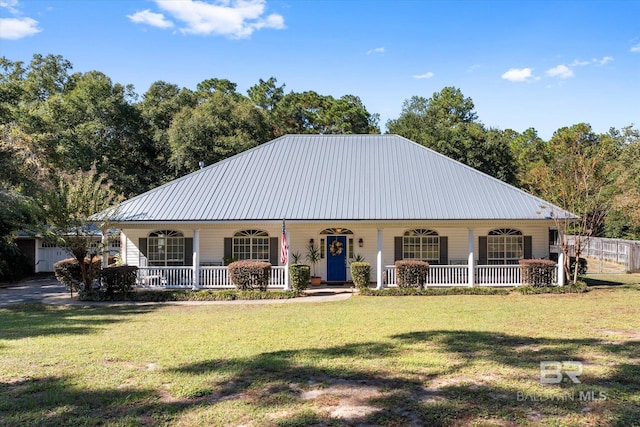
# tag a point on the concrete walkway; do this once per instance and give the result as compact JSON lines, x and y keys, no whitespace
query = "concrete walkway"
{"x":48,"y":290}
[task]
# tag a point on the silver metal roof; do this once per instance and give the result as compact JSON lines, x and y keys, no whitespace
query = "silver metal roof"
{"x":334,"y":177}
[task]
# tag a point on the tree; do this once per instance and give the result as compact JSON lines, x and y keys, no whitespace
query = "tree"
{"x":266,"y":94}
{"x":17,"y":213}
{"x":623,"y":220}
{"x":221,"y":126}
{"x":447,"y":123}
{"x":97,"y":123}
{"x":158,"y":108}
{"x":310,"y":112}
{"x":68,"y":209}
{"x":577,"y":179}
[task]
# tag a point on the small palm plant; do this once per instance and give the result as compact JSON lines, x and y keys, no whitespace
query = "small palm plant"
{"x":313,"y":256}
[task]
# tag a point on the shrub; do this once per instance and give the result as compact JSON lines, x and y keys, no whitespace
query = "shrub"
{"x":411,"y":274}
{"x":250,"y":275}
{"x":299,"y":274}
{"x":569,"y":289}
{"x":582,"y":266}
{"x":537,"y":272}
{"x":68,"y":272}
{"x":459,"y":290}
{"x":183,"y":295}
{"x":361,"y":274}
{"x":14,"y":265}
{"x":118,"y":280}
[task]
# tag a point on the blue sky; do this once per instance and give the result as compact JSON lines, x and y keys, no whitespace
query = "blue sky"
{"x":541,"y":64}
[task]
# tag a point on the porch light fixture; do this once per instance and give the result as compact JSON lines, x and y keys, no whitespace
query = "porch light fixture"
{"x":311,"y":241}
{"x":360,"y":242}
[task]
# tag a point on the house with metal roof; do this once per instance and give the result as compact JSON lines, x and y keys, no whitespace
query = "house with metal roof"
{"x":380,"y":197}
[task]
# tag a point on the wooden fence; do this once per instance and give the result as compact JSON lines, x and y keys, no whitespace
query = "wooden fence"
{"x":626,"y":253}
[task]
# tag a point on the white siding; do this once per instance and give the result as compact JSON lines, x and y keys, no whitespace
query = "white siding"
{"x":212,"y":238}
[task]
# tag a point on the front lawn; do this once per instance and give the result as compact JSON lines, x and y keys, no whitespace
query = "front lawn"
{"x":445,"y":360}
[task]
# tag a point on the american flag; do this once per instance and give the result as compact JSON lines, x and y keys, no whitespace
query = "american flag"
{"x":284,"y":250}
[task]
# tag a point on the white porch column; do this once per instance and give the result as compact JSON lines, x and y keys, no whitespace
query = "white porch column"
{"x":287,"y":283}
{"x":196,"y":259}
{"x":379,"y":283}
{"x":471,"y":258}
{"x":561,"y":269}
{"x":105,"y":249}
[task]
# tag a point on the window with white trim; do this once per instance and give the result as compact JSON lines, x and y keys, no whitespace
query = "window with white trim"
{"x":165,"y":248}
{"x":505,"y":246}
{"x":251,"y":244}
{"x":421,"y":244}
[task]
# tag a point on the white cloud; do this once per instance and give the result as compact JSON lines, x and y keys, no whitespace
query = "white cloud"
{"x":635,"y":49}
{"x":604,"y":60}
{"x":578,"y":63}
{"x":518,"y":74}
{"x":150,"y":18}
{"x":561,"y":71}
{"x":10,"y":5}
{"x":231,"y":18}
{"x":423,"y":76}
{"x":17,"y":28}
{"x":376,"y":50}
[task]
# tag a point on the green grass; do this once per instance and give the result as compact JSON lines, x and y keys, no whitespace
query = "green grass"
{"x":446,"y":360}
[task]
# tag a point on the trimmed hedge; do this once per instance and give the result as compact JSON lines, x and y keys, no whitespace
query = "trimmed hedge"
{"x":299,"y":274}
{"x":68,"y":272}
{"x":411,"y":274}
{"x":118,"y":280}
{"x":581,"y":287}
{"x":361,"y":274}
{"x":184,"y":295}
{"x":537,"y":272}
{"x":582,"y":266}
{"x":250,"y":275}
{"x":458,"y":290}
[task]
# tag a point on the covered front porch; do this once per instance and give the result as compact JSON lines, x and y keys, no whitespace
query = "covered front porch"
{"x":216,"y":277}
{"x":491,"y":250}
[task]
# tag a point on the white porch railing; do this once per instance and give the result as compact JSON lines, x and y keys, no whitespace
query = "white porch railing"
{"x":209,"y":277}
{"x":457,"y":275}
{"x":165,"y":277}
{"x":497,"y":275}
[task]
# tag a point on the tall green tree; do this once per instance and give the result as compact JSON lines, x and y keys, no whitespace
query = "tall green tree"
{"x":310,"y":112}
{"x":623,"y":220}
{"x":577,"y":178}
{"x":222,"y":125}
{"x":159,"y":106}
{"x":447,"y":123}
{"x":68,"y":208}
{"x":96,"y":123}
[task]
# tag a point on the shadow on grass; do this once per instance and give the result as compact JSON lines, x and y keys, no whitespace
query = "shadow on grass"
{"x":326,"y":386}
{"x":405,"y":398}
{"x":619,"y":280}
{"x":35,"y":320}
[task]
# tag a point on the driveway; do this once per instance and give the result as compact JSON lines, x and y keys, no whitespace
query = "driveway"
{"x":42,"y":289}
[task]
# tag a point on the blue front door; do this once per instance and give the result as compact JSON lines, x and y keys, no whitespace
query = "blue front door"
{"x":336,"y":258}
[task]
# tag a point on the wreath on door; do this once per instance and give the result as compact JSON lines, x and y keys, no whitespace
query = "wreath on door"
{"x":336,"y":247}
